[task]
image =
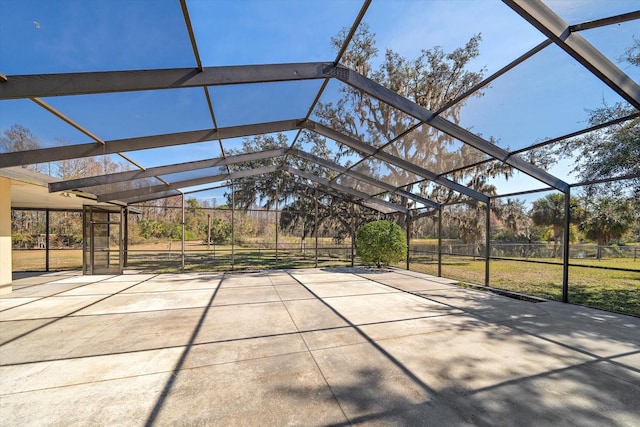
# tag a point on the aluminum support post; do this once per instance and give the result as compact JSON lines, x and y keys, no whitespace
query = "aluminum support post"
{"x":47,"y":242}
{"x":440,"y":241}
{"x":565,"y":247}
{"x":408,"y":238}
{"x":487,"y":250}
{"x":315,"y":220}
{"x":276,"y":224}
{"x":233,"y":224}
{"x":182,"y":238}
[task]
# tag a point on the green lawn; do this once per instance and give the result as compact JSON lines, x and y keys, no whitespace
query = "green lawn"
{"x":596,"y":287}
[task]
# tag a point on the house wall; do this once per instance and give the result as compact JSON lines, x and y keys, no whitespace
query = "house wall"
{"x":5,"y":236}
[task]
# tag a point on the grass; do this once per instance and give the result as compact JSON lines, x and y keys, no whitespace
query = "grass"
{"x":596,"y":287}
{"x":222,"y":261}
{"x":34,"y":260}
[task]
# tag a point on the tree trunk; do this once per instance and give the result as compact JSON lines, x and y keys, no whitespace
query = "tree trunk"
{"x":600,"y":243}
{"x":556,"y":236}
{"x":352,"y":233}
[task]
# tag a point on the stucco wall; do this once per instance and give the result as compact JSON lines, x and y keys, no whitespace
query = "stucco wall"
{"x":5,"y":236}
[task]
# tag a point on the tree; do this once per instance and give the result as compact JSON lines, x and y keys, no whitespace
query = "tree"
{"x":339,"y":212}
{"x":220,"y":231}
{"x":513,"y":220}
{"x":468,"y":219}
{"x":193,"y":218}
{"x":632,"y":54}
{"x":381,"y":242}
{"x":150,"y":228}
{"x":89,"y":166}
{"x":607,"y":219}
{"x":613,"y":150}
{"x":549,"y":211}
{"x":259,"y":189}
{"x":19,"y":138}
{"x":432,"y":80}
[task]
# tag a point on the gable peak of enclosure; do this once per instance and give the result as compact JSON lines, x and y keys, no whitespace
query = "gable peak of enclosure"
{"x":175,"y":94}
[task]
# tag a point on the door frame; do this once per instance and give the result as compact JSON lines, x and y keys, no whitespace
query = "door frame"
{"x":88,"y":241}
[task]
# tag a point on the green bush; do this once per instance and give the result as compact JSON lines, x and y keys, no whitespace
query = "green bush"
{"x":22,"y":240}
{"x":381,"y":242}
{"x":220,"y":231}
{"x":176,"y":233}
{"x":150,"y":228}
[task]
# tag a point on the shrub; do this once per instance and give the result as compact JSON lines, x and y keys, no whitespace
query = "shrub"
{"x":150,"y":228}
{"x":381,"y":242}
{"x":21,"y":240}
{"x":220,"y":231}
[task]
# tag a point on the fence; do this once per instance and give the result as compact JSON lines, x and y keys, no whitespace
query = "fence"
{"x":606,"y":277}
{"x":530,"y":268}
{"x":529,"y":250}
{"x":199,"y":257}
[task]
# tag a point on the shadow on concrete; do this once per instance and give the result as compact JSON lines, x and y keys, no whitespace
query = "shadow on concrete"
{"x":593,"y":351}
{"x":157,"y":407}
{"x":56,"y":319}
{"x":608,"y":392}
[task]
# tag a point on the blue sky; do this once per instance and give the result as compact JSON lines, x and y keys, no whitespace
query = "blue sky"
{"x":543,"y":98}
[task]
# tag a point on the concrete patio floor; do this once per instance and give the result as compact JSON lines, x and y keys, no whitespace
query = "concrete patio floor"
{"x":308,"y":347}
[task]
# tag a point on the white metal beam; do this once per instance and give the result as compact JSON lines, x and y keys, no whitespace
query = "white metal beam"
{"x":393,"y":160}
{"x":359,"y":194}
{"x":127,"y":194}
{"x":43,"y":155}
{"x":162,"y":170}
{"x":362,"y":177}
{"x":392,"y":98}
{"x":556,"y":29}
{"x":154,"y":196}
{"x":45,"y":85}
